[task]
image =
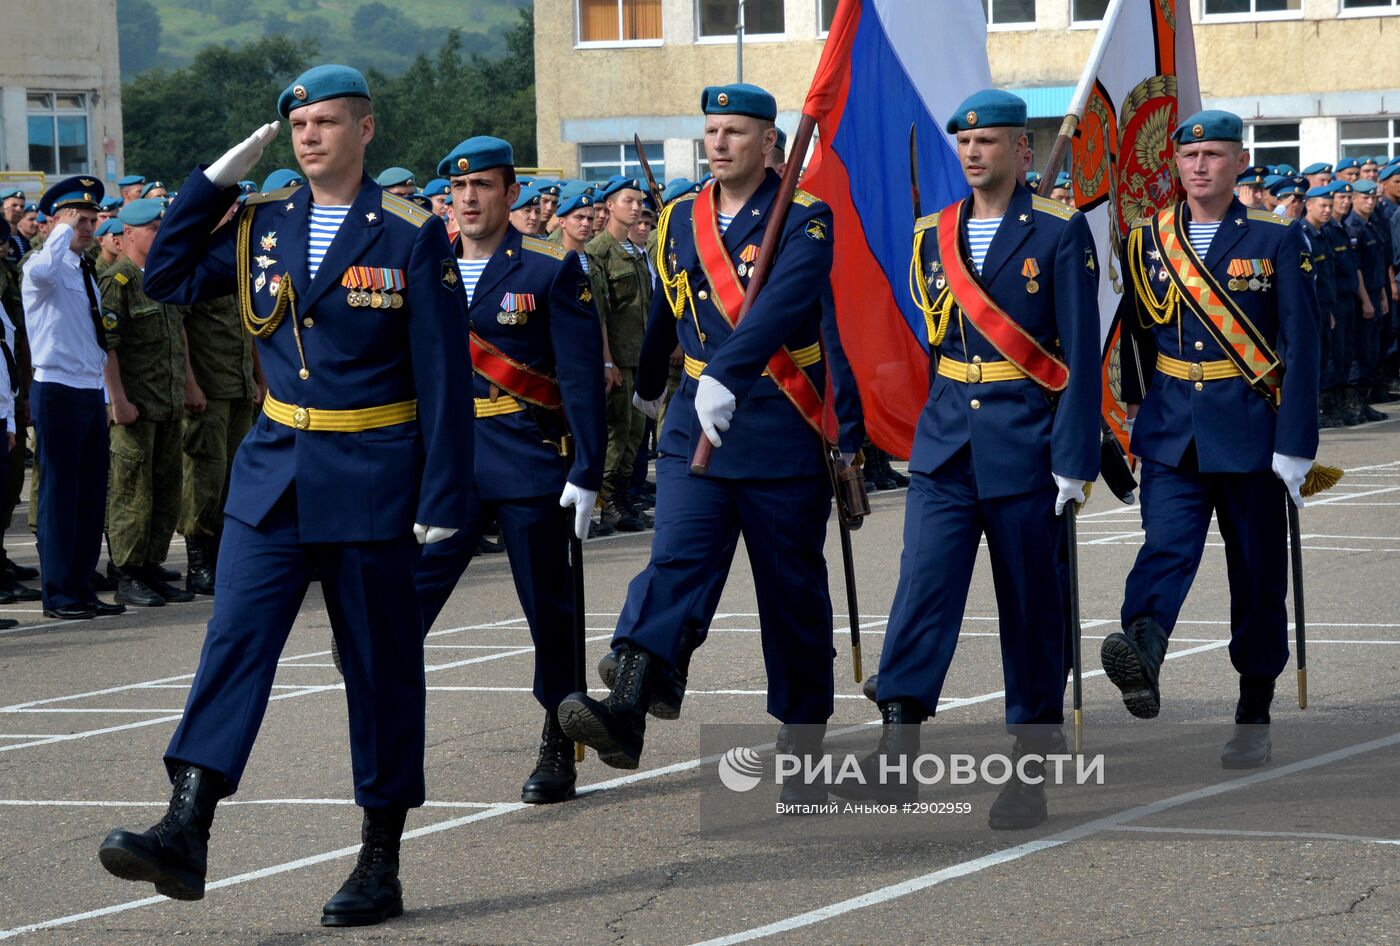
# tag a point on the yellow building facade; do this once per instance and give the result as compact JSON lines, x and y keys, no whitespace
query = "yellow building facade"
{"x":1314,"y":79}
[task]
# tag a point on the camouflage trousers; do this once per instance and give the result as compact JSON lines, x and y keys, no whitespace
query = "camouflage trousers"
{"x":626,"y":427}
{"x":143,"y":491}
{"x":211,"y":439}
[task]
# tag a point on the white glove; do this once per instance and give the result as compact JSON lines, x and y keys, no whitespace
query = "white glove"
{"x":1070,"y":491}
{"x":1292,"y":470}
{"x":714,"y":405}
{"x":649,"y":408}
{"x":427,"y":535}
{"x":583,"y":501}
{"x":239,"y":160}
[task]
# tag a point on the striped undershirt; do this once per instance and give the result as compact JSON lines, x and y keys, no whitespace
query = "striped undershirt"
{"x":724,"y":221}
{"x":979,"y":238}
{"x":325,"y":221}
{"x":471,"y":270}
{"x":1200,"y":235}
{"x":583,"y":261}
{"x":631,"y":249}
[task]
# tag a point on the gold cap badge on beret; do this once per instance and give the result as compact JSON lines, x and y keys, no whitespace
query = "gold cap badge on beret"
{"x":722,"y":99}
{"x":971,"y":118}
{"x":463,"y":165}
{"x":1197,"y":130}
{"x":87,"y":183}
{"x":299,"y":91}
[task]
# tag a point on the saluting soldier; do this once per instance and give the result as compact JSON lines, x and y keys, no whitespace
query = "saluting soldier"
{"x":146,"y":386}
{"x":1250,"y":187}
{"x":537,"y":393}
{"x":362,"y":446}
{"x":1227,"y":424}
{"x":1008,"y":437}
{"x":767,"y":479}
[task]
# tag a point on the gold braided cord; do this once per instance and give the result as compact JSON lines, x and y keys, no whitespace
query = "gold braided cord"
{"x":1160,"y":312}
{"x":676,"y":287}
{"x":936,"y":311}
{"x":254,"y":324}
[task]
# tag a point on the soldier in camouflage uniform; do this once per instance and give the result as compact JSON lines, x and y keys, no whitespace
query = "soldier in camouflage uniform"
{"x":146,"y":383}
{"x":621,"y":266}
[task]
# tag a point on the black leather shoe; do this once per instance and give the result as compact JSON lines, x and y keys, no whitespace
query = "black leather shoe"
{"x":72,"y":612}
{"x":199,"y":574}
{"x":372,"y":893}
{"x":805,"y":742}
{"x":1022,"y":804}
{"x":105,"y":583}
{"x":1132,"y":659}
{"x":6,"y":597}
{"x":151,"y":575}
{"x":17,"y":572}
{"x":131,"y":589}
{"x":486,"y":547}
{"x":7,"y":623}
{"x":899,"y":739}
{"x":597,"y":529}
{"x":173,"y":854}
{"x":870,"y":686}
{"x":165,"y":574}
{"x":667,"y":688}
{"x":615,"y":727}
{"x":19,"y":592}
{"x":105,"y":610}
{"x":555,"y":773}
{"x":1250,"y":747}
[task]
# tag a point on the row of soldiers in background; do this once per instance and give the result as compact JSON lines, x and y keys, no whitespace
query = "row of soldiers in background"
{"x":1350,"y":214}
{"x":182,"y":388}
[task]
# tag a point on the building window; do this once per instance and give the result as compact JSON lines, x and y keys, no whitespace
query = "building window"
{"x":702,"y":161}
{"x":600,"y":162}
{"x":827,"y":11}
{"x":618,"y":21}
{"x":1009,"y":12}
{"x":58,"y":132}
{"x":719,"y":18}
{"x":1371,"y":137}
{"x":1371,"y":6}
{"x":1084,"y":12}
{"x":1274,"y":143}
{"x":1251,"y":7}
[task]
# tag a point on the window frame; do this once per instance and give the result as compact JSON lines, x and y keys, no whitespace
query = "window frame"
{"x":1390,"y":145}
{"x":1077,"y":24}
{"x":53,"y":112}
{"x":1344,"y":13}
{"x":627,"y":156}
{"x":718,"y":39}
{"x":1018,"y":25}
{"x":1252,"y":16}
{"x":619,"y":43}
{"x":1253,"y":146}
{"x":822,"y":30}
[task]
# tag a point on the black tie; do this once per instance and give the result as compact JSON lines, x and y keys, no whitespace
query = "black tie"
{"x":94,"y":309}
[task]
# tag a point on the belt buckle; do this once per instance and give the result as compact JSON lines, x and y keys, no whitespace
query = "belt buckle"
{"x":301,"y":418}
{"x":974,"y":373}
{"x":1195,"y":372}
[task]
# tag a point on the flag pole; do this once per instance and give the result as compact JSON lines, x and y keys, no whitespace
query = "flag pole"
{"x":1083,"y":89}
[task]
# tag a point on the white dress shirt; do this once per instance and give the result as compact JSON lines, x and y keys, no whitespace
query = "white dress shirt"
{"x":62,"y":340}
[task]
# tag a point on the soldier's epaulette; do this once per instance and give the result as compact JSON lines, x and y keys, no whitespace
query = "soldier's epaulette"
{"x":1053,"y":207}
{"x":122,"y":278}
{"x":927,"y":221}
{"x":803,"y":199}
{"x":543,"y":246}
{"x":406,"y":211}
{"x":271,"y":197}
{"x":1265,"y":216}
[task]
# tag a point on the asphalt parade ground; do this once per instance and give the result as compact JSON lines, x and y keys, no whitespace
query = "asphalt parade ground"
{"x":1171,"y":849}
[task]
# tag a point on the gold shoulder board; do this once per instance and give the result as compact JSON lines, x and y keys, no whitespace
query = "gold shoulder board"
{"x":405,"y":210}
{"x":927,"y":222}
{"x":271,"y":197}
{"x":1052,"y":207}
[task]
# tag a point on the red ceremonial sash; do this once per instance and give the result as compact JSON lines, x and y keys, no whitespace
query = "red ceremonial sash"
{"x":1013,"y":342}
{"x":518,"y":380}
{"x":728,"y":297}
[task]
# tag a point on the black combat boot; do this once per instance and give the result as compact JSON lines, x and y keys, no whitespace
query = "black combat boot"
{"x":372,"y":893}
{"x":1330,"y":416}
{"x":1132,"y":659}
{"x":132,"y":589}
{"x":805,"y":742}
{"x":173,"y":854}
{"x":667,"y":685}
{"x":1250,"y":747}
{"x":154,"y":577}
{"x":16,"y":571}
{"x":616,"y":511}
{"x":1021,"y":803}
{"x":555,"y":774}
{"x":199,"y":574}
{"x":896,"y":751}
{"x":615,"y":727}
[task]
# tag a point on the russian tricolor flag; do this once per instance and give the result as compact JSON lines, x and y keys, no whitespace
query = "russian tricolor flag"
{"x":887,"y":65}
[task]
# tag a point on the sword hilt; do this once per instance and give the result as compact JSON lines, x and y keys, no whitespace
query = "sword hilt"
{"x":1302,"y":687}
{"x":855,"y":662}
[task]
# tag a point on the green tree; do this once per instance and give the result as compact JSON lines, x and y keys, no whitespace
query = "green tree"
{"x":138,"y":35}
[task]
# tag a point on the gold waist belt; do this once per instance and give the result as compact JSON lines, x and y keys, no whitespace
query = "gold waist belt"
{"x":1196,"y":370}
{"x":979,"y":372}
{"x":364,"y":418}
{"x":805,"y":358}
{"x":485,"y":407}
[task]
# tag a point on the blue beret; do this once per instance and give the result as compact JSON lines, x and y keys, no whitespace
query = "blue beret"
{"x":393,"y":177}
{"x":481,"y":153}
{"x":1319,"y":167}
{"x":1288,"y":186}
{"x":1062,"y":179}
{"x":1252,"y":177}
{"x":782,"y":140}
{"x":1287,"y":170}
{"x":1324,"y":190}
{"x":33,"y":208}
{"x":42,"y":219}
{"x":319,"y":84}
{"x":1390,"y":171}
{"x":523,"y":179}
{"x":109,"y":226}
{"x":1347,"y":163}
{"x":110,"y":203}
{"x":622,"y":184}
{"x":574,"y":201}
{"x":437,"y":187}
{"x":9,"y":192}
{"x":573,"y":189}
{"x":77,"y":191}
{"x":248,"y":187}
{"x":741,"y":98}
{"x":1372,"y":160}
{"x":1210,"y":125}
{"x":1394,"y":160}
{"x":1271,"y":179}
{"x":152,"y":186}
{"x":280,"y":178}
{"x":1364,"y":186}
{"x":990,"y":108}
{"x":130,"y":179}
{"x":140,"y":212}
{"x":677,"y":188}
{"x":1341,"y":187}
{"x":1032,"y":178}
{"x":545,"y":186}
{"x":422,"y":201}
{"x":528,"y":196}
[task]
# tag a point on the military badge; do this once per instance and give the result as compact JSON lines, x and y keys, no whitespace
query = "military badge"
{"x":264,"y":261}
{"x":1090,"y":263}
{"x":816,"y":230}
{"x":450,"y":276}
{"x":516,"y":308}
{"x":1030,"y":269}
{"x":1306,"y":264}
{"x":585,"y":294}
{"x":749,"y":253}
{"x":260,"y":282}
{"x":109,"y":321}
{"x":373,"y":287}
{"x":273,"y":283}
{"x":268,"y":240}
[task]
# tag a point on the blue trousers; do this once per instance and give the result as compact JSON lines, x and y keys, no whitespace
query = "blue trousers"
{"x":536,"y":536}
{"x":1177,"y":503}
{"x":263,"y":575}
{"x":70,"y":429}
{"x":1366,"y":342}
{"x":698,"y":523}
{"x":944,"y":521}
{"x":1336,"y":345}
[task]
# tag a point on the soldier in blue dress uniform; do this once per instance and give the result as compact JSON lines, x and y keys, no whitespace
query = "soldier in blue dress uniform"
{"x":1227,"y":423}
{"x":362,"y":447}
{"x":537,"y":392}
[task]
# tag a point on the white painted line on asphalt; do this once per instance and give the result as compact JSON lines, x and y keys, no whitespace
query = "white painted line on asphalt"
{"x":1239,"y":833}
{"x":1006,"y":855}
{"x":604,"y":690}
{"x":344,"y":802}
{"x":99,"y":709}
{"x":1332,"y":498}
